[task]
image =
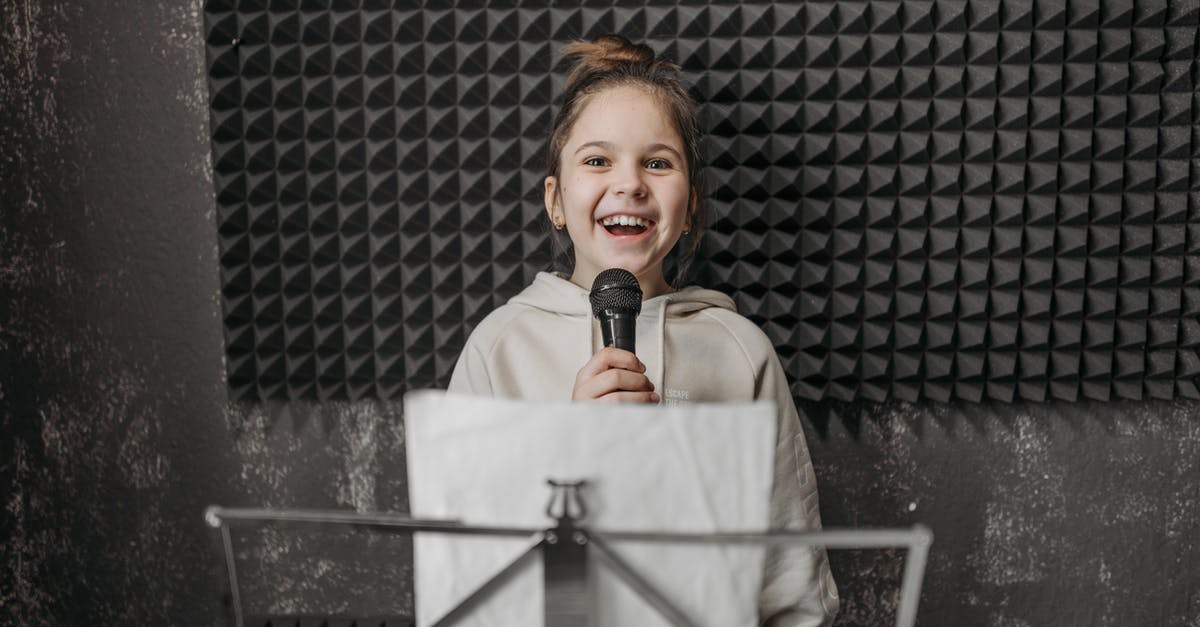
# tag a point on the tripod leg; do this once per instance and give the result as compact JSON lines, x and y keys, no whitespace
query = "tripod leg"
{"x":235,"y":595}
{"x":640,"y":585}
{"x":469,"y":603}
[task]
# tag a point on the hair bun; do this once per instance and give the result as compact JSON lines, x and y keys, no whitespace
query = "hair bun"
{"x":605,"y":53}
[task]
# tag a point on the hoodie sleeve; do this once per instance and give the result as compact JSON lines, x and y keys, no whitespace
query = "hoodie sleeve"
{"x":798,"y":587}
{"x":471,"y":373}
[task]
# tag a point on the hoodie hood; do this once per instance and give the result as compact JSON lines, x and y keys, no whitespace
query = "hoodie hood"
{"x":553,"y":293}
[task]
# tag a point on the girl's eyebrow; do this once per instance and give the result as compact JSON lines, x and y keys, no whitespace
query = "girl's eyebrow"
{"x":609,"y":146}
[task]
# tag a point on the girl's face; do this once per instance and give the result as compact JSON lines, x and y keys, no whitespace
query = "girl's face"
{"x":623,"y":188}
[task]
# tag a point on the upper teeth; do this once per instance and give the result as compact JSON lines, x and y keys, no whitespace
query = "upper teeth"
{"x":625,"y":221}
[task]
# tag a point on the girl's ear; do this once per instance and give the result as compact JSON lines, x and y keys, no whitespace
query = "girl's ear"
{"x":551,"y":200}
{"x":551,"y":196}
{"x":693,"y":202}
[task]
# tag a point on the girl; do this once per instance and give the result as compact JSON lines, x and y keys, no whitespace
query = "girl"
{"x":623,"y":181}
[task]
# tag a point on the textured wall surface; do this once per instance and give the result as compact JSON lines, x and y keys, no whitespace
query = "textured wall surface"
{"x":1043,"y":514}
{"x":116,"y":427}
{"x":950,"y":200}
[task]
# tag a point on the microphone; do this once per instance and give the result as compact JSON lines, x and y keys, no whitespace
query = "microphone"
{"x":616,"y":301}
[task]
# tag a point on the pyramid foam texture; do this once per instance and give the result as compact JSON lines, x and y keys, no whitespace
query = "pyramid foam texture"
{"x":942,"y":200}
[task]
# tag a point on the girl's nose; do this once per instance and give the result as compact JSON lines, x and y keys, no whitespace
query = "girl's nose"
{"x":629,"y":183}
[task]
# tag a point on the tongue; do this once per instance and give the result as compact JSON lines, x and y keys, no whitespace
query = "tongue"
{"x":623,"y":229}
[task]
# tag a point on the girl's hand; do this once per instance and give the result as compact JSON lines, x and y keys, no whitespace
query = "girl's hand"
{"x":616,"y":376}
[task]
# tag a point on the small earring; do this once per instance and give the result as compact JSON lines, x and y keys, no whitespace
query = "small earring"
{"x":559,"y":224}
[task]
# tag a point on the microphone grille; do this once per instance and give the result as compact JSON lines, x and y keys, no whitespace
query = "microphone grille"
{"x":616,"y":289}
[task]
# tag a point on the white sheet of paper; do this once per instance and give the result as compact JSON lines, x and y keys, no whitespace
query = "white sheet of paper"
{"x":694,"y":468}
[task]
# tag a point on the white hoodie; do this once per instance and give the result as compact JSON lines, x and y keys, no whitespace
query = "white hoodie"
{"x":533,"y":346}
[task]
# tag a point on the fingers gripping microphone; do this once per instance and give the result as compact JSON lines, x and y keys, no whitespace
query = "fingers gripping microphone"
{"x":616,"y":302}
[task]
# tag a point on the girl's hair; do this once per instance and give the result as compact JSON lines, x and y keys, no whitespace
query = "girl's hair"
{"x":613,"y":61}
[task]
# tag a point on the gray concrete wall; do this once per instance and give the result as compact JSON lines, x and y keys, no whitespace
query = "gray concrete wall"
{"x":116,"y":428}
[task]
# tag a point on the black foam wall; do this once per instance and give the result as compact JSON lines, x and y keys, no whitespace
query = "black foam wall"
{"x":916,"y":199}
{"x":944,"y":200}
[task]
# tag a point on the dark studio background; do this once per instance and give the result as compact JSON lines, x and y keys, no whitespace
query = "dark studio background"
{"x":120,"y":425}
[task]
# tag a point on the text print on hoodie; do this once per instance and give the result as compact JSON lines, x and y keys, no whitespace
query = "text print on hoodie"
{"x":696,"y":348}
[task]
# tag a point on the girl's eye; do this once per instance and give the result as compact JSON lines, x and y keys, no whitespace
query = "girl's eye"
{"x":658,"y":164}
{"x":598,"y":162}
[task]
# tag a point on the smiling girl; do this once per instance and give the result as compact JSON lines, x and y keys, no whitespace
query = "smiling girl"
{"x":623,"y":181}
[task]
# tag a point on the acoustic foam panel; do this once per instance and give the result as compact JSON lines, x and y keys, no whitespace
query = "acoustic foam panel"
{"x":943,"y":200}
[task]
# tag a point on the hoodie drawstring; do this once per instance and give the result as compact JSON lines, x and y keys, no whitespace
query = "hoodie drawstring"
{"x":662,"y":343}
{"x":591,"y":334}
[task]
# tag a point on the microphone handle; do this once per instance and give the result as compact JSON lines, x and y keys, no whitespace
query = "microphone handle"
{"x":618,"y":328}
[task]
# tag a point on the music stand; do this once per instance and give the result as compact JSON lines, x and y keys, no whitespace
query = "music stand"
{"x":564,"y":549}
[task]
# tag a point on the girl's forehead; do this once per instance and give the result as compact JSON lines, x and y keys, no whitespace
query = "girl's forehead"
{"x":626,"y":114}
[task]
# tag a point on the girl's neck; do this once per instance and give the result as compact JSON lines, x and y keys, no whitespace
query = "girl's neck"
{"x":652,"y":283}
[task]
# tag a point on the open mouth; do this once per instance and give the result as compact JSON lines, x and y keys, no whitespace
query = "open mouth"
{"x":626,"y":225}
